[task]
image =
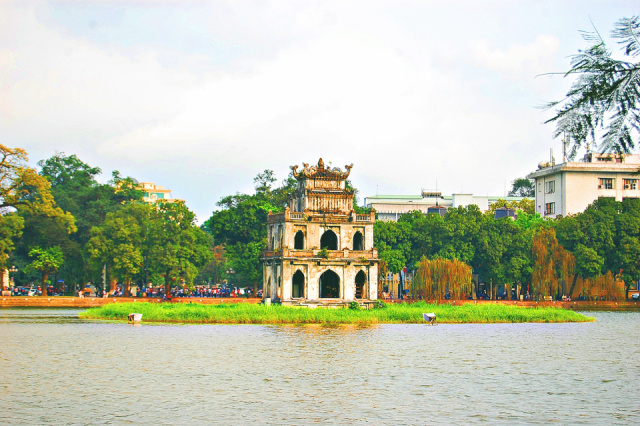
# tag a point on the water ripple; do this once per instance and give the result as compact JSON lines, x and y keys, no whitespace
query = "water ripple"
{"x":57,"y":369}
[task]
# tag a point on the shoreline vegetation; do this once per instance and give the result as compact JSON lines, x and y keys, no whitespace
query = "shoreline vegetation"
{"x":288,"y":315}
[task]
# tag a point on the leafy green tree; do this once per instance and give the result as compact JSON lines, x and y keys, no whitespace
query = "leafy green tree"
{"x":23,"y":193}
{"x":120,"y":242}
{"x":215,"y":270}
{"x":178,"y":249}
{"x":588,"y":264}
{"x":526,"y":205}
{"x":602,"y":105}
{"x":392,"y":239}
{"x":629,"y":260}
{"x":46,"y":261}
{"x":241,"y":224}
{"x":465,"y":223}
{"x":522,"y":187}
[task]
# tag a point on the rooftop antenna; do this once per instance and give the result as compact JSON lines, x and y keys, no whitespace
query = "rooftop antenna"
{"x":564,"y":147}
{"x":551,"y":159}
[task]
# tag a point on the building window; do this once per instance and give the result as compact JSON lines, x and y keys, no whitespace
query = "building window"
{"x":550,"y":187}
{"x":550,"y":208}
{"x":630,"y":183}
{"x":606,"y":183}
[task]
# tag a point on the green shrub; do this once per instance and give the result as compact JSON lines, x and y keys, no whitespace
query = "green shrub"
{"x":379,"y":304}
{"x":355,"y":306}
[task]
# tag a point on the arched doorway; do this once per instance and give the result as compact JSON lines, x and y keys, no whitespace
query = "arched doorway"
{"x":297,"y":285}
{"x":298,"y":243}
{"x":329,"y":240}
{"x":361,"y":279}
{"x":358,"y":241}
{"x":329,"y":285}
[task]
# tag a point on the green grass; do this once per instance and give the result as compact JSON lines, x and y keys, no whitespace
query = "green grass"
{"x":391,"y":314}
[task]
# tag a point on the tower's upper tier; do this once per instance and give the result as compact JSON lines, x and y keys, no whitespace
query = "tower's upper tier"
{"x":322,"y":190}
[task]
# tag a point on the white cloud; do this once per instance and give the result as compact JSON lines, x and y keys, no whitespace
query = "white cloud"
{"x":61,"y":88}
{"x":519,"y":60}
{"x":406,"y":103}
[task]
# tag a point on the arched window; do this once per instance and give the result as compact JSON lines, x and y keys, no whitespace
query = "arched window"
{"x":297,"y":285}
{"x":329,"y":241}
{"x":358,"y":241}
{"x":299,"y":241}
{"x":361,"y":278}
{"x":329,"y":285}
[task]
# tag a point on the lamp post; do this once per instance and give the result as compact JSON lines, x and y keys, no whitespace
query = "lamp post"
{"x":12,"y":269}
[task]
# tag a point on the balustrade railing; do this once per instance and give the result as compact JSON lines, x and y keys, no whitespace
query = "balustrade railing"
{"x":363,"y":218}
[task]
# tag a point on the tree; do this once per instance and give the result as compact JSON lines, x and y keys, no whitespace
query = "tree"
{"x":76,"y":190}
{"x":46,"y":261}
{"x":588,"y":265}
{"x":522,"y":187}
{"x":23,"y":192}
{"x":119,"y":243}
{"x":177,"y":248}
{"x":241,"y":224}
{"x":393,"y":243}
{"x":526,"y":205}
{"x":215,"y":270}
{"x":606,"y":94}
{"x":434,"y":277}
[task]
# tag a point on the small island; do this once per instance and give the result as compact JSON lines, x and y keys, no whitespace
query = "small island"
{"x":382,"y":314}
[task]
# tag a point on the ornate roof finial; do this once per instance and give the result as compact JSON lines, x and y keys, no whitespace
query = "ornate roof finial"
{"x":321,"y":172}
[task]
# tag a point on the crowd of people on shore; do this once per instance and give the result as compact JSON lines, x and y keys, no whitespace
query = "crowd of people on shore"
{"x":201,"y":291}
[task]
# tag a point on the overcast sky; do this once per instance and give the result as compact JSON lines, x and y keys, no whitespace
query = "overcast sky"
{"x":201,"y":96}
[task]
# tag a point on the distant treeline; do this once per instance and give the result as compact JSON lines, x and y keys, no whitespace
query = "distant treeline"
{"x":588,"y":254}
{"x":62,"y":229}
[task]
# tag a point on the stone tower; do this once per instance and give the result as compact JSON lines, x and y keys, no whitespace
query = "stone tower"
{"x":319,"y":250}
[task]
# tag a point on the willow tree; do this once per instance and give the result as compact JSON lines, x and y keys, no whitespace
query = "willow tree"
{"x":434,"y":277}
{"x":552,"y":264}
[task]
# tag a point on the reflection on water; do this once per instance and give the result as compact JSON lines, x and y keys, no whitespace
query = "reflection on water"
{"x":55,"y":368}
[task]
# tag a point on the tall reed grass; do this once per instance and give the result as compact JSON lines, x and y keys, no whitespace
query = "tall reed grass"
{"x":391,"y":314}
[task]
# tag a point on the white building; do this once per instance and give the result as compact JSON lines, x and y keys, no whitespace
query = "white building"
{"x":155,"y":193}
{"x":391,"y":207}
{"x":569,"y":188}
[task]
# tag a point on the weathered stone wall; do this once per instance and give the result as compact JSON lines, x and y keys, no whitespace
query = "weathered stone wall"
{"x":312,"y":272}
{"x":313,"y":231}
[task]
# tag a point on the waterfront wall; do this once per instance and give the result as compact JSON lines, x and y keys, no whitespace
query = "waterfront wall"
{"x":87,"y":302}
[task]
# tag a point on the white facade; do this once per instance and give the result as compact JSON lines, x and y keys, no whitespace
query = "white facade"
{"x":391,"y":207}
{"x":570,"y":187}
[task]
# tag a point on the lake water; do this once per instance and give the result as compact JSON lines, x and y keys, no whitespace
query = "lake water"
{"x":57,"y":369}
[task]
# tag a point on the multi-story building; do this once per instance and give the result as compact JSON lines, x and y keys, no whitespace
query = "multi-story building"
{"x":391,"y":207}
{"x":319,"y":250}
{"x":155,"y":193}
{"x":568,"y":188}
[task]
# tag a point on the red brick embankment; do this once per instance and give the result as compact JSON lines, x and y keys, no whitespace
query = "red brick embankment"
{"x":87,"y":302}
